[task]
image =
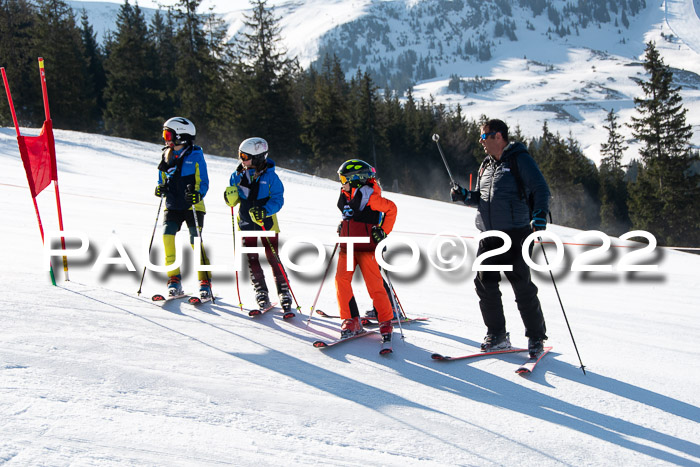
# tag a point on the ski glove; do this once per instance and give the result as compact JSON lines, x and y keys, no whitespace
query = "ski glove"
{"x":539,"y":220}
{"x":257,"y":214}
{"x":378,"y":234}
{"x":459,"y":194}
{"x":231,"y":196}
{"x":192,"y":196}
{"x":161,"y":190}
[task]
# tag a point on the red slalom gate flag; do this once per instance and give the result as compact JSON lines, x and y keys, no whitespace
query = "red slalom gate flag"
{"x":39,"y":158}
{"x":38,"y":155}
{"x":38,"y":152}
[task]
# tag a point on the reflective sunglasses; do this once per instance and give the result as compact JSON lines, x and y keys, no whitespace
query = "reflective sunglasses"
{"x":486,"y":135}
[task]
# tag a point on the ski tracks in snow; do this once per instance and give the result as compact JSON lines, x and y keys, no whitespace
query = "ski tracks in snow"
{"x":682,"y":18}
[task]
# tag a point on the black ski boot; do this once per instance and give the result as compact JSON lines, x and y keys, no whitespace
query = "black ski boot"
{"x":261,"y":295}
{"x":493,"y":342}
{"x":535,"y":346}
{"x":285,"y":300}
{"x":263,"y":300}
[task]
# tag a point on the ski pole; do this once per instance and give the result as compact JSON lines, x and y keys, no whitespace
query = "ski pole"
{"x":150,"y":245}
{"x":201,"y":244}
{"x":284,"y":274}
{"x":436,"y":138}
{"x":395,"y":302}
{"x":238,"y":288}
{"x":330,"y":261}
{"x":394,"y":299}
{"x":583,"y":368}
{"x":399,"y":306}
{"x":398,"y":317}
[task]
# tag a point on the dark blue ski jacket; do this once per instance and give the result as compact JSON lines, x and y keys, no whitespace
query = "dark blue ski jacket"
{"x":501,"y":206}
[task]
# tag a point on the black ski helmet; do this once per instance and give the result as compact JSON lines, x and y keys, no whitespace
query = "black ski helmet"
{"x":355,"y":171}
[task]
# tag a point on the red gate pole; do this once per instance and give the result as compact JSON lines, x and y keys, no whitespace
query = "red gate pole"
{"x":36,"y":208}
{"x":52,"y":150}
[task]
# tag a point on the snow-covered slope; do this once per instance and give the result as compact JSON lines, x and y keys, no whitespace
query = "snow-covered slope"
{"x":91,"y":374}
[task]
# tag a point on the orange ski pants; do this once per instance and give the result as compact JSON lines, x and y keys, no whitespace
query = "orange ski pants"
{"x":373,"y":280}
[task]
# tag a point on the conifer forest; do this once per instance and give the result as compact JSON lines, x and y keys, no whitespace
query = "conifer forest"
{"x":181,"y":63}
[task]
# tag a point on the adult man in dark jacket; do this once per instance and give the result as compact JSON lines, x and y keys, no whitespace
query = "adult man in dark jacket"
{"x":502,"y":198}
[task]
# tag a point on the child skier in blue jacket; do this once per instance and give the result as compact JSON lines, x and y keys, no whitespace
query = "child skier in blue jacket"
{"x":259,"y":191}
{"x":183,"y":181}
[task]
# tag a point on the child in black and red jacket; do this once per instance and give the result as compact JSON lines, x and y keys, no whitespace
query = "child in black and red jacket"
{"x":365,"y":214}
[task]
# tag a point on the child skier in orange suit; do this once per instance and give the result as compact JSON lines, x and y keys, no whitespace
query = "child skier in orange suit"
{"x":365,"y":214}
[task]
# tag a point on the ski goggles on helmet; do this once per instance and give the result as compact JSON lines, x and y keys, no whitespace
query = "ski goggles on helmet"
{"x":243,"y":156}
{"x":360,"y":178}
{"x":169,"y":135}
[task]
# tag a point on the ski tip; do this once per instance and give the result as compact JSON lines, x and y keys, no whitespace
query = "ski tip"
{"x":320,"y":344}
{"x":288,"y":315}
{"x":437,"y":356}
{"x":254,"y":313}
{"x":194,"y":301}
{"x":386,"y":351}
{"x":523,"y":371}
{"x":158,"y":298}
{"x":321,"y":313}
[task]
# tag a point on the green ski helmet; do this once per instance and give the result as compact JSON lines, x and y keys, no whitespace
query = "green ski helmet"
{"x":356,"y":172}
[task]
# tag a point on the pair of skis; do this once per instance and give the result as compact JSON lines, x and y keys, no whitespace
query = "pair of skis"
{"x":371,"y":321}
{"x":192,"y":300}
{"x":261,"y":311}
{"x":196,"y":301}
{"x":386,"y":348}
{"x":525,"y":368}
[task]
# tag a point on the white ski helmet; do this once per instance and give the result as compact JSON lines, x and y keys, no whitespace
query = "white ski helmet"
{"x":179,"y":130}
{"x":253,"y":148}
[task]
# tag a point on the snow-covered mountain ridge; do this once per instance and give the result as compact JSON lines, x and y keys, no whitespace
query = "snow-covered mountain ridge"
{"x":551,"y":63}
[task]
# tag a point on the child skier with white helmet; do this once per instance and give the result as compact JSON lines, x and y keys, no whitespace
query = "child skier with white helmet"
{"x":260,"y":192}
{"x":184,"y":182}
{"x":365,"y":214}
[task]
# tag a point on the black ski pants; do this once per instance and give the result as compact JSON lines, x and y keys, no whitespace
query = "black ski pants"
{"x":257,"y":276}
{"x":487,"y":286}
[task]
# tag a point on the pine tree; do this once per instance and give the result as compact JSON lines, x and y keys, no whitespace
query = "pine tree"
{"x":59,"y":42}
{"x":19,"y":58}
{"x":614,"y":213}
{"x":327,"y":123}
{"x":661,"y":198}
{"x":199,"y":48}
{"x":572,"y":178}
{"x":162,"y":32}
{"x":131,"y":96}
{"x":95,"y":79}
{"x":267,"y":77}
{"x":459,"y":140}
{"x":394,"y":127}
{"x":364,"y":102}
